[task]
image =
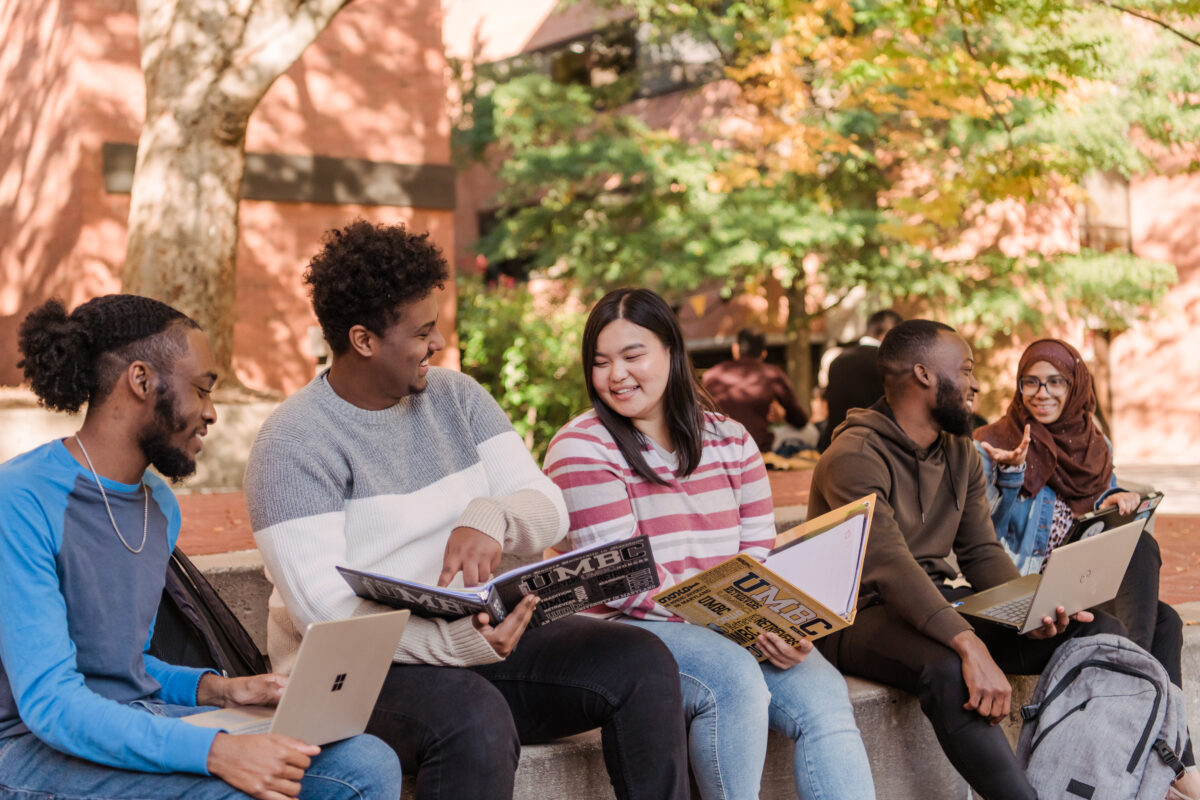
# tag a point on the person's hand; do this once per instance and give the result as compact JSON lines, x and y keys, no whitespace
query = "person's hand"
{"x":1126,"y":502}
{"x":1009,"y":458}
{"x":1053,"y":626}
{"x":780,"y":653}
{"x":776,"y":414}
{"x":989,"y":692}
{"x":471,"y":552}
{"x":255,"y":690}
{"x":504,"y":637}
{"x":267,"y":766}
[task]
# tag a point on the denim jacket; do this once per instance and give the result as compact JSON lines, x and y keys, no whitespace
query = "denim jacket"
{"x":1022,"y":523}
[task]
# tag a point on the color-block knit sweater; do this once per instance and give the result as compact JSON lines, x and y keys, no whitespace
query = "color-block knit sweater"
{"x":77,"y":612}
{"x":694,"y":522}
{"x":331,"y":484}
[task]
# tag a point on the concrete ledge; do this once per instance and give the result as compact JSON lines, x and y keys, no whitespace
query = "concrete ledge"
{"x":906,"y":760}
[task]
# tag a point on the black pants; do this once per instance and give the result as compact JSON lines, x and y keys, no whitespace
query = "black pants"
{"x":884,"y":647}
{"x":1151,"y":623}
{"x":460,"y":730}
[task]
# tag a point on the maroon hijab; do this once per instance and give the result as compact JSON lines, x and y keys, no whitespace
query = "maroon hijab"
{"x":1070,"y":454}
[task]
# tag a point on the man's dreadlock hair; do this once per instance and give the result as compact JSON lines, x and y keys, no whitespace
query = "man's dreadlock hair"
{"x":76,"y":358}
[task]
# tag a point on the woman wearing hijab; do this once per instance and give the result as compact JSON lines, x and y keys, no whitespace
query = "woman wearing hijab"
{"x":1047,"y":463}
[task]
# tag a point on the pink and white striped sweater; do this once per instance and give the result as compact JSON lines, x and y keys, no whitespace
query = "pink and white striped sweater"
{"x":695,"y":522}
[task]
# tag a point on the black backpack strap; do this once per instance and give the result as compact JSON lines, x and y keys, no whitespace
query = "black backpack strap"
{"x":229,"y":646}
{"x":1169,"y":757}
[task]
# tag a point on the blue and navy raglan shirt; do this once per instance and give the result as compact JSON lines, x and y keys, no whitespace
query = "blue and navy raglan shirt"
{"x":77,"y":612}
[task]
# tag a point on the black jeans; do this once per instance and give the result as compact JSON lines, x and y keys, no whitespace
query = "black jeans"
{"x":884,"y":647}
{"x":460,"y":730}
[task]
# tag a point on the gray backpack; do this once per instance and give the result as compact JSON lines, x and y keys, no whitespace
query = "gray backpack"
{"x":1105,"y":723}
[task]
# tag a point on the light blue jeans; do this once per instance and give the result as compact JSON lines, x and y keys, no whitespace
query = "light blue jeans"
{"x":729,"y":700}
{"x":361,"y":768}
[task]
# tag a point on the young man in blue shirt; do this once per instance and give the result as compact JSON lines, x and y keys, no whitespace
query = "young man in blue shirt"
{"x":85,"y":535}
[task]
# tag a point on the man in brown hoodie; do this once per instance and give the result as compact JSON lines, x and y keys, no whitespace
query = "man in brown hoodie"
{"x":912,"y":449}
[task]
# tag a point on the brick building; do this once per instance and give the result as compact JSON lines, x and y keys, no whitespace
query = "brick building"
{"x":357,"y":127}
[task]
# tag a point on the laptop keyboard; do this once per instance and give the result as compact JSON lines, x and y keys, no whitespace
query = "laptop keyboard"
{"x":1014,"y":611}
{"x":257,"y":727}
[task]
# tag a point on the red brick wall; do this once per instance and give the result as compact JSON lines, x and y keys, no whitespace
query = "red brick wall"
{"x":372,"y":86}
{"x":1156,"y":364}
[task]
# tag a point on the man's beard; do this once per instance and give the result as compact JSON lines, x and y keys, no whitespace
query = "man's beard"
{"x":949,"y":410}
{"x":155,"y":440}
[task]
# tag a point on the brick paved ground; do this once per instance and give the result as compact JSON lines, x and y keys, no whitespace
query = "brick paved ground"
{"x":218,"y":523}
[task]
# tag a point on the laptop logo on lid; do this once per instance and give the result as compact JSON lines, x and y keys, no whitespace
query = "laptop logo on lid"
{"x":338,"y":682}
{"x":1085,"y":576}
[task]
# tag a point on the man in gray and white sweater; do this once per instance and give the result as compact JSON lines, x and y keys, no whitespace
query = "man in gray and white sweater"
{"x":386,"y":464}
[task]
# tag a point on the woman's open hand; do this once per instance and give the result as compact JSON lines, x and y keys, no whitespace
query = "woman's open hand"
{"x":1009,"y":458}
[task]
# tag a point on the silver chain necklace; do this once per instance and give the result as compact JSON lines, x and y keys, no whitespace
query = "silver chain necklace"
{"x":104,"y":495}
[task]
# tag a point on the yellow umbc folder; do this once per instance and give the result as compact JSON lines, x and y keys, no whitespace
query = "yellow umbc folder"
{"x":742,"y":597}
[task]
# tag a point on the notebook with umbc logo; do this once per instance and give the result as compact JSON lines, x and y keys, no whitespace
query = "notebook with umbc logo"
{"x":332,"y":690}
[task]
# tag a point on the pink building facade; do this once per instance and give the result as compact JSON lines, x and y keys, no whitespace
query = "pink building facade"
{"x":368,"y":97}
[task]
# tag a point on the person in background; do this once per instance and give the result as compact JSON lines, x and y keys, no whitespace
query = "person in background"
{"x":854,"y":380}
{"x":745,"y":387}
{"x":86,"y":532}
{"x":652,"y":458}
{"x":1047,"y":462}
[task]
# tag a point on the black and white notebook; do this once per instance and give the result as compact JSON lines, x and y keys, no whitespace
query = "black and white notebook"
{"x":565,"y":584}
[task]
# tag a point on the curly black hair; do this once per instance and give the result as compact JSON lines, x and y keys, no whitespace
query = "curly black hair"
{"x":76,"y":358}
{"x":365,"y":273}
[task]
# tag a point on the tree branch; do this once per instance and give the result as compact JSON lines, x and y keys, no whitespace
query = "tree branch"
{"x":272,"y":42}
{"x":1155,"y":20}
{"x":987,"y":98}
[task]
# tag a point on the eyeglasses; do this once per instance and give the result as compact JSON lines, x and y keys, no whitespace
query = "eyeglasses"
{"x":1056,"y":385}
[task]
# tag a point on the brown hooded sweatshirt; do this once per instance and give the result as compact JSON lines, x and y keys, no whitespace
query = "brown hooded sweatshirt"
{"x":929,"y":502}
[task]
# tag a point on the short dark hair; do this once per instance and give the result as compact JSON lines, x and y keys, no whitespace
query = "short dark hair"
{"x":751,"y":342}
{"x":881,"y":321}
{"x":684,"y":402}
{"x":365,"y":273}
{"x":905,"y":345}
{"x":76,"y":358}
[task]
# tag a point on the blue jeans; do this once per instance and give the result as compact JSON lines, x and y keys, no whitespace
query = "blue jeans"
{"x":729,"y":701}
{"x":361,"y":768}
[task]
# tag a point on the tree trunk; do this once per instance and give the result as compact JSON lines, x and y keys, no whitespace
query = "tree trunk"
{"x":799,"y":349}
{"x":206,"y":64}
{"x":183,"y":225}
{"x":1102,"y":378}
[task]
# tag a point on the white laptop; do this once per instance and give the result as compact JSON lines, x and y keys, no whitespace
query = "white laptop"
{"x":1077,"y":576}
{"x":333,"y":687}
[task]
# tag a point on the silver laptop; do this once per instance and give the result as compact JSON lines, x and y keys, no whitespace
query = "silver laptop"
{"x":1077,"y":576}
{"x":333,"y":687}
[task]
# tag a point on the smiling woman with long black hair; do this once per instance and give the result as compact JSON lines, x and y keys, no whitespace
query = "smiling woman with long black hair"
{"x":653,"y":457}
